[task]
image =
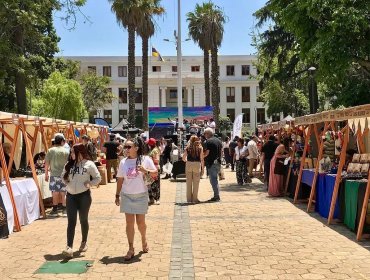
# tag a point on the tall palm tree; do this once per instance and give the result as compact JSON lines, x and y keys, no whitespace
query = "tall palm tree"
{"x":129,"y":15}
{"x":209,"y":19}
{"x":146,"y":29}
{"x":197,"y":27}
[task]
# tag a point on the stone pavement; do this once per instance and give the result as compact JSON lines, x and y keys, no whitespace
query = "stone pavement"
{"x":246,"y":236}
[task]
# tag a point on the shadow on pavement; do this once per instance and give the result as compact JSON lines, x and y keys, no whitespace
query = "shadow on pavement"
{"x":120,"y":260}
{"x":61,"y":257}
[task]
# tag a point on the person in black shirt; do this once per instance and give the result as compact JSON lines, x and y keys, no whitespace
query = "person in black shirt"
{"x":213,"y":148}
{"x":112,"y":156}
{"x":268,"y":151}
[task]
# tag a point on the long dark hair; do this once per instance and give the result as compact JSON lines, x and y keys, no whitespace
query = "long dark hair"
{"x":139,"y":143}
{"x":78,"y":149}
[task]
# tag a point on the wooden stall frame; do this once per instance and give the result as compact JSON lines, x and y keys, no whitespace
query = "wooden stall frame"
{"x":290,"y":165}
{"x":5,"y":169}
{"x":320,"y":144}
{"x":303,"y":159}
{"x":364,"y":210}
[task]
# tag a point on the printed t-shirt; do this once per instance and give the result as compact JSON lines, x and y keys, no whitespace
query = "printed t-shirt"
{"x":133,"y":180}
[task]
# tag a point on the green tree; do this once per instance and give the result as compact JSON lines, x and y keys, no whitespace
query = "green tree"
{"x":60,"y":98}
{"x":198,"y":24}
{"x":146,"y":29}
{"x":95,"y":92}
{"x":129,"y":14}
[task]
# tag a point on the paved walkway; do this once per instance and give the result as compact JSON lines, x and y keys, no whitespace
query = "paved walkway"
{"x":246,"y":236}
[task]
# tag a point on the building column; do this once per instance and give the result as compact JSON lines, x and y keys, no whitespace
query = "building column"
{"x":115,"y":107}
{"x":190,"y":96}
{"x":163,"y":96}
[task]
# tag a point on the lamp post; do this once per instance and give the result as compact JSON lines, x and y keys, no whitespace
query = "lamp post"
{"x":313,"y":97}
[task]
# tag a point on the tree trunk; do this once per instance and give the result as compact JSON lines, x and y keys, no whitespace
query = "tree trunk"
{"x":20,"y":80}
{"x":206,"y":78}
{"x":131,"y":75}
{"x":145,"y":82}
{"x":215,"y":90}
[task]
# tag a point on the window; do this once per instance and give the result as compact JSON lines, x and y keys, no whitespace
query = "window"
{"x":230,"y":70}
{"x":138,"y":95}
{"x":122,"y":114}
{"x":246,"y":94}
{"x":174,"y":68}
{"x":173,"y":93}
{"x":108,"y":116}
{"x":246,"y":70}
{"x":137,"y":71}
{"x":261,"y":115}
{"x":258,"y":94}
{"x":91,"y":69}
{"x":231,"y":114}
{"x":107,"y":71}
{"x":230,"y":94}
{"x":156,"y":68}
{"x":138,"y":112}
{"x":122,"y":95}
{"x":246,"y":115}
{"x":122,"y":71}
{"x":195,"y":68}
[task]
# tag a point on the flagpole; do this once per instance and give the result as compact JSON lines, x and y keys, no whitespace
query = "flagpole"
{"x":179,"y":73}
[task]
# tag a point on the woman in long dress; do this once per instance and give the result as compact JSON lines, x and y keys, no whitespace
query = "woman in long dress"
{"x":276,"y":181}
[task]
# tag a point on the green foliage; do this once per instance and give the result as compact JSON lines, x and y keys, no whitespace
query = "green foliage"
{"x":225,"y":124}
{"x":95,"y":92}
{"x":60,"y":98}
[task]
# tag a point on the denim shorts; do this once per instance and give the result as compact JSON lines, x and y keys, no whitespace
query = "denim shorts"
{"x":134,"y":203}
{"x":56,"y":184}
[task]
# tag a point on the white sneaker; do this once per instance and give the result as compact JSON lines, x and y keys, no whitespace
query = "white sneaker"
{"x":158,"y":202}
{"x":83,"y":247}
{"x":68,"y":252}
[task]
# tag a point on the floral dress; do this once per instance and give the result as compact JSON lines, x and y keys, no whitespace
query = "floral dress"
{"x":154,"y":189}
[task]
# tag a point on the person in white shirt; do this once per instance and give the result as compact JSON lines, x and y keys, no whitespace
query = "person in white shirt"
{"x":212,"y":124}
{"x":240,"y":158}
{"x":132,"y":191}
{"x":253,"y":154}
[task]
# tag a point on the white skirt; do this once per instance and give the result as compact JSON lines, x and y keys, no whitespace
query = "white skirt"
{"x":134,"y":203}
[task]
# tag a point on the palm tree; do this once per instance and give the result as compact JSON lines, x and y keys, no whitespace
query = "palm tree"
{"x":129,"y":15}
{"x":210,"y":20}
{"x":197,"y":27}
{"x":146,"y":30}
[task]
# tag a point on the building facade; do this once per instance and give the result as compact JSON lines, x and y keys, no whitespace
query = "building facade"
{"x":239,"y":91}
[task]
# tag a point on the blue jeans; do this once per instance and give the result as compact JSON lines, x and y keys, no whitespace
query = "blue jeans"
{"x":213,"y":178}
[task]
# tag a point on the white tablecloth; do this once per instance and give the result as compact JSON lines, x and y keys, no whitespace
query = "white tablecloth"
{"x":26,"y":199}
{"x":44,"y":186}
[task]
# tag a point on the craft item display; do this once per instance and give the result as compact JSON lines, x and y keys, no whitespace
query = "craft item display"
{"x":356,"y":158}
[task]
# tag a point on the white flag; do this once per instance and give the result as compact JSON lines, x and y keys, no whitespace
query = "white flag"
{"x":237,"y":128}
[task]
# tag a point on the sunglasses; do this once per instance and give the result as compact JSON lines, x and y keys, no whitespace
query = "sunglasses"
{"x":127,"y":147}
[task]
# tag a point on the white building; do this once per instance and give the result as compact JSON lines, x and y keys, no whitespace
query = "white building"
{"x":238,"y":86}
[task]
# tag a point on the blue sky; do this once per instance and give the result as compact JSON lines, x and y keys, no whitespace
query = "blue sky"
{"x":103,"y":37}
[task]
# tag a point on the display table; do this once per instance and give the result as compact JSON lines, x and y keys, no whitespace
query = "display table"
{"x":354,"y":197}
{"x":307,"y":176}
{"x":324,"y":193}
{"x":26,"y":197}
{"x":44,"y":187}
{"x":6,"y":217}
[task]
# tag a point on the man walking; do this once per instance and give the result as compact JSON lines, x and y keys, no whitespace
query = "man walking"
{"x":111,"y":150}
{"x":55,"y":160}
{"x":252,"y":154}
{"x":213,"y":148}
{"x":233,"y":144}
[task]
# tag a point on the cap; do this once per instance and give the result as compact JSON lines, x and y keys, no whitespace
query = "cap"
{"x":151,"y":142}
{"x":59,"y":136}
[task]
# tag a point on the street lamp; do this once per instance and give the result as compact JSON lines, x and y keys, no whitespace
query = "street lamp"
{"x":313,"y":96}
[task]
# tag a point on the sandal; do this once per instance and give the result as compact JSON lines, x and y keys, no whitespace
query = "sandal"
{"x":145,"y":247}
{"x":130,"y":254}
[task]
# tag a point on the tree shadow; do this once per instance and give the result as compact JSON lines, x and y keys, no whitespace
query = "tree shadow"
{"x":120,"y":260}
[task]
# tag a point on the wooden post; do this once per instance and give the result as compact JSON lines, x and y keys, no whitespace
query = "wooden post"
{"x":338,"y":178}
{"x":307,"y":140}
{"x":34,"y":175}
{"x":43,"y":137}
{"x":34,"y":140}
{"x":321,"y":151}
{"x":14,"y":146}
{"x":364,"y":210}
{"x":9,"y":187}
{"x":290,"y":165}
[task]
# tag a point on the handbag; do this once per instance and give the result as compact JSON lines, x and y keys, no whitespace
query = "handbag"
{"x":279,"y":166}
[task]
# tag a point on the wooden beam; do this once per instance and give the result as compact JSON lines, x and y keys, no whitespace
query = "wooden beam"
{"x":364,"y":210}
{"x":6,"y":134}
{"x":34,"y":175}
{"x":321,"y":151}
{"x":338,"y":178}
{"x":291,"y":164}
{"x":34,"y":140}
{"x":9,"y":187}
{"x":14,"y":146}
{"x":303,"y":159}
{"x":43,"y":137}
